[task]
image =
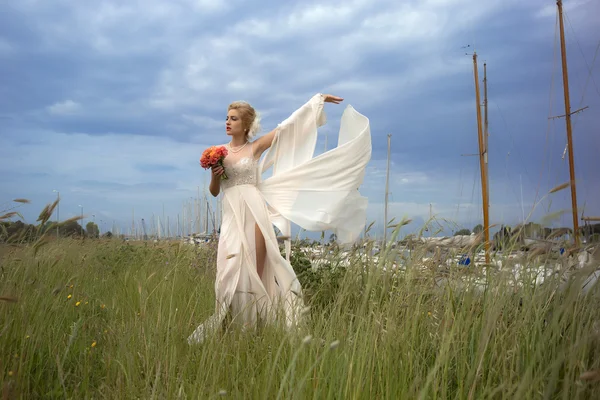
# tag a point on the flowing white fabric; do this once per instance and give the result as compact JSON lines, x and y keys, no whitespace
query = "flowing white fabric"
{"x":316,"y":193}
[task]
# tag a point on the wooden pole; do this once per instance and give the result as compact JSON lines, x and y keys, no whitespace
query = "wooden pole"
{"x":485,"y":111}
{"x":563,"y":52}
{"x":482,"y":165}
{"x":486,"y":136}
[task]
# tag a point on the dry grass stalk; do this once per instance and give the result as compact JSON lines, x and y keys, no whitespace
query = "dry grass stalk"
{"x":399,"y":224}
{"x":72,"y":219}
{"x":47,"y":212}
{"x":560,"y":187}
{"x":590,"y":375}
{"x":8,"y":299}
{"x":8,"y":215}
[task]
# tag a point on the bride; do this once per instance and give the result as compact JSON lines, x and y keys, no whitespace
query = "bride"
{"x":254,"y":281}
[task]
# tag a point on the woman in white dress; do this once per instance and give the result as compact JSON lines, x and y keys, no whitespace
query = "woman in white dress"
{"x":254,"y":281}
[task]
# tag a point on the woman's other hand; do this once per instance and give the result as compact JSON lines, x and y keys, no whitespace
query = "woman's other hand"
{"x":329,"y":98}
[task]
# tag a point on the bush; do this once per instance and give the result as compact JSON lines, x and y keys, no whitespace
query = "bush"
{"x":320,"y":285}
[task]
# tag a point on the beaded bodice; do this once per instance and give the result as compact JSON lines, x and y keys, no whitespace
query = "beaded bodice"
{"x":241,"y":168}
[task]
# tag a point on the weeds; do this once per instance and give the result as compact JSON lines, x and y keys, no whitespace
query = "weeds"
{"x":84,"y":318}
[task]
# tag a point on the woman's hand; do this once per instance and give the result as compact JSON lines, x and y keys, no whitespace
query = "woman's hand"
{"x":215,"y":181}
{"x":329,"y":98}
{"x":217,"y":170}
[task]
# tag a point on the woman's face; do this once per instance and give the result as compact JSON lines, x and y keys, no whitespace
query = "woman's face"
{"x":233,"y":124}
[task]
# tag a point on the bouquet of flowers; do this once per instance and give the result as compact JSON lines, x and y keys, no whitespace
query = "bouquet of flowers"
{"x":212,"y":156}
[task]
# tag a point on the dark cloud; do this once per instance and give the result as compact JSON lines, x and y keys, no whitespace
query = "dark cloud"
{"x":169,"y":71}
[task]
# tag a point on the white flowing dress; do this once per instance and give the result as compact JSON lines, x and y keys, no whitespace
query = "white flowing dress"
{"x":315,"y":192}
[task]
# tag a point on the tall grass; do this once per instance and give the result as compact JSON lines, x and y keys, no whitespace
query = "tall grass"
{"x":85,"y":319}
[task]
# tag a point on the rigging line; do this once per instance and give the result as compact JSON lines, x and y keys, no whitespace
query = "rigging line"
{"x":585,"y":86}
{"x":460,"y":191}
{"x":591,"y":69}
{"x":582,"y":185}
{"x":506,"y":184}
{"x":550,"y":121}
{"x":470,"y":214}
{"x":592,"y":66}
{"x":513,"y":147}
{"x":584,"y":59}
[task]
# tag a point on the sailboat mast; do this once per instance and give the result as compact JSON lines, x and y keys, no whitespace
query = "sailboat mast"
{"x":387,"y":188}
{"x":133,"y":233}
{"x":198,"y":210}
{"x":486,"y":135}
{"x":563,"y":52}
{"x":207,"y":210}
{"x":482,"y":165}
{"x":485,"y":108}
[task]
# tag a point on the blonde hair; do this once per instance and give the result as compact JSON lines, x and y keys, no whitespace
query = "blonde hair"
{"x":250,"y":117}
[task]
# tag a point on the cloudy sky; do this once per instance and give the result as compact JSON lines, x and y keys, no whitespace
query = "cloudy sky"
{"x":112,"y":102}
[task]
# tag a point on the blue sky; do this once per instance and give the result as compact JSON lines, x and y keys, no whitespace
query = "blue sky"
{"x":112,"y":102}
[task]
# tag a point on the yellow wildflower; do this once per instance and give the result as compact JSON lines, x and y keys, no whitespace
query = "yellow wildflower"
{"x":69,"y":297}
{"x":94,"y":343}
{"x":77,"y":304}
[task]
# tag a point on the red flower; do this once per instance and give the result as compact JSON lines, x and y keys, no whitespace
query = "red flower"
{"x":212,"y":156}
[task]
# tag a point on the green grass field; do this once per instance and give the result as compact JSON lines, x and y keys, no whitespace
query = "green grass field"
{"x":106,"y":319}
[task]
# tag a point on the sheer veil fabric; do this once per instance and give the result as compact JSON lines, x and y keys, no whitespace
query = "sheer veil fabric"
{"x":315,"y":192}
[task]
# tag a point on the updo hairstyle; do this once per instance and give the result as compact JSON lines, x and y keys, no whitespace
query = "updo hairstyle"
{"x":250,"y":117}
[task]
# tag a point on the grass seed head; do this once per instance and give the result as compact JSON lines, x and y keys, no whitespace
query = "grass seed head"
{"x":560,"y":187}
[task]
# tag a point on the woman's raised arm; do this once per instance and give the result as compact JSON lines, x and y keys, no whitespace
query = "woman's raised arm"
{"x":264,"y":142}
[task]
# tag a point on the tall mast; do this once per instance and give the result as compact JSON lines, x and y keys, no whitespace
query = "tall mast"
{"x":563,"y":52}
{"x":198,"y":210}
{"x":482,"y":165}
{"x":133,"y":233}
{"x":485,"y":110}
{"x":191,"y":213}
{"x":387,"y":187}
{"x":486,"y":135}
{"x":206,"y":219}
{"x":184,"y":218}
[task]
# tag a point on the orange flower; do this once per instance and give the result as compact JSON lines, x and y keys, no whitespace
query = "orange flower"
{"x":213,"y":156}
